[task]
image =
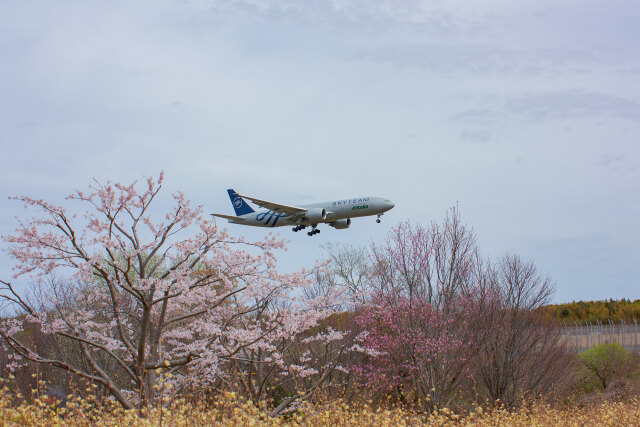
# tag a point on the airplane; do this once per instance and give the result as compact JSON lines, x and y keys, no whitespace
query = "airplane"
{"x":336,"y":213}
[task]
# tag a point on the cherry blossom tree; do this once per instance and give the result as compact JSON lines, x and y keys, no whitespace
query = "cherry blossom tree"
{"x":136,"y":297}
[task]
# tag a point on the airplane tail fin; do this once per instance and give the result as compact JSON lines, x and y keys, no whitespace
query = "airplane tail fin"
{"x":239,"y":204}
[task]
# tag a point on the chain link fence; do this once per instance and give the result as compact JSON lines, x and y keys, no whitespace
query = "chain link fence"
{"x":580,"y":336}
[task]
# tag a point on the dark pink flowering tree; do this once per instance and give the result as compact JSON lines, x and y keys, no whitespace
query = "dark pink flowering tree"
{"x":444,"y":318}
{"x":129,"y":298}
{"x":432,"y":263}
{"x":415,"y":350}
{"x":419,"y":333}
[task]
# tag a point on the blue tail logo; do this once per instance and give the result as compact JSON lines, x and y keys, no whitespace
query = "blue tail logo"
{"x":239,"y":204}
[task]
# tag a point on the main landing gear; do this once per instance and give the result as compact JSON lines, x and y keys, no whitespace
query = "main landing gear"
{"x":302,"y":227}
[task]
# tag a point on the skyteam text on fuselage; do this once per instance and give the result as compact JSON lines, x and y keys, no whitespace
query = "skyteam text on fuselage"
{"x":336,"y":213}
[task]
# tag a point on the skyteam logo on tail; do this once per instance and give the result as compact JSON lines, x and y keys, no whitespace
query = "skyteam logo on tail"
{"x":239,"y":205}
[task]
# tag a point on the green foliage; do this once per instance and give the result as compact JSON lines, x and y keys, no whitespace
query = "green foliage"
{"x":603,"y":311}
{"x":605,"y":363}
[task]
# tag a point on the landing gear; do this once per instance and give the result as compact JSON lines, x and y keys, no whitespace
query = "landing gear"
{"x":378,"y":220}
{"x":379,"y":215}
{"x":299,"y":227}
{"x":312,"y":232}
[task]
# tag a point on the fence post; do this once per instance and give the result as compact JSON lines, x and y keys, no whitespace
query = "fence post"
{"x":599,"y":332}
{"x":610,"y":331}
{"x":614,"y":332}
{"x":635,"y":333}
{"x":586,"y":327}
{"x":623,"y":325}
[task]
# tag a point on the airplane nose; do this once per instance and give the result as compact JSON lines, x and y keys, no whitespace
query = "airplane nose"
{"x":390,"y":205}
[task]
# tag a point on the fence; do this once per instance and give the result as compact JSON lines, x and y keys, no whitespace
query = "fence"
{"x":579,"y":336}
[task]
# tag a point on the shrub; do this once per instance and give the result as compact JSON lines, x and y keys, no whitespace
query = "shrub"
{"x":606,"y":363}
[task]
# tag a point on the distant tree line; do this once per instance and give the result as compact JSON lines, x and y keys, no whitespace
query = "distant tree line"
{"x":577,"y":311}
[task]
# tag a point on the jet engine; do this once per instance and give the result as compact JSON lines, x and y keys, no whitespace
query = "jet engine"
{"x":341,"y":223}
{"x":316,"y":215}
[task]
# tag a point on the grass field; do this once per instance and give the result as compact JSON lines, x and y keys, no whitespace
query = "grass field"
{"x":229,"y":411}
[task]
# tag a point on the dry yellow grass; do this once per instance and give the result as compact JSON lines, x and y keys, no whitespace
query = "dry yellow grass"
{"x":231,"y":411}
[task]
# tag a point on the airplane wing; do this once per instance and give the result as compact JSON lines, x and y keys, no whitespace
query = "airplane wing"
{"x":276,"y":207}
{"x":229,"y":217}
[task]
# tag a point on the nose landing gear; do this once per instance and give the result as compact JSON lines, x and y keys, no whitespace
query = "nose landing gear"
{"x":378,"y":219}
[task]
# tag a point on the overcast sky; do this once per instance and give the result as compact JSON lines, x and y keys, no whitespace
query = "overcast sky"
{"x":525,"y":113}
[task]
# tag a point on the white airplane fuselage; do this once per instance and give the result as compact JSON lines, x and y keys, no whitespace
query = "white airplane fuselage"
{"x":334,"y":212}
{"x":337,"y":213}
